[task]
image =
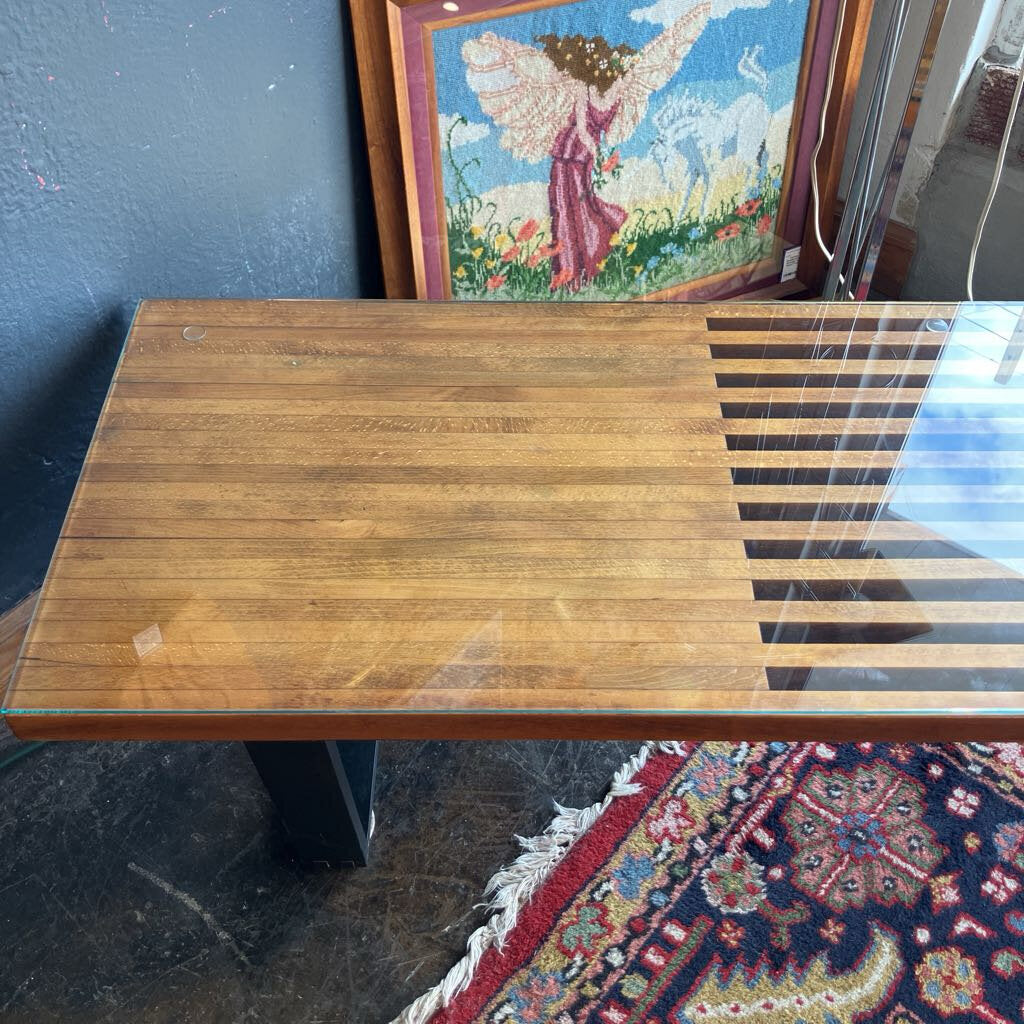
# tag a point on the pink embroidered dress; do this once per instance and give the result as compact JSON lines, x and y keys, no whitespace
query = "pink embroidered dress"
{"x":545,"y":112}
{"x":580,"y":219}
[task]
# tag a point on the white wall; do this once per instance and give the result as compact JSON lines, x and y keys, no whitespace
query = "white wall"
{"x":1009,"y":34}
{"x":968,"y":28}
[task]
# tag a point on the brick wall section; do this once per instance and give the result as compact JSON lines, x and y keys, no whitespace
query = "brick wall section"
{"x":991,"y":108}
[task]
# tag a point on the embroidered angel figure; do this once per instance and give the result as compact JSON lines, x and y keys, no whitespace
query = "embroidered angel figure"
{"x":563,"y":101}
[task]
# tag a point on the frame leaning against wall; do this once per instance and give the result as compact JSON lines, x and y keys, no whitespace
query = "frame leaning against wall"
{"x":385,"y":108}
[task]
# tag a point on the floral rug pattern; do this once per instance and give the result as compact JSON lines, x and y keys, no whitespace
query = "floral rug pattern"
{"x":779,"y":883}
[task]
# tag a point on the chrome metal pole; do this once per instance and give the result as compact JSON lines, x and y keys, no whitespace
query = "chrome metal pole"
{"x":864,"y":157}
{"x":898,"y":155}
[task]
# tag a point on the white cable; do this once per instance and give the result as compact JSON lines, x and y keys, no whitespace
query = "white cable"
{"x":987,"y":209}
{"x":821,"y":132}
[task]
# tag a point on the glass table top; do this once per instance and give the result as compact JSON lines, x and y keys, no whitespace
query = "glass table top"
{"x":398,"y":511}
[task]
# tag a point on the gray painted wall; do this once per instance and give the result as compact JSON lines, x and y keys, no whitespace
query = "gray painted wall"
{"x":156,"y":150}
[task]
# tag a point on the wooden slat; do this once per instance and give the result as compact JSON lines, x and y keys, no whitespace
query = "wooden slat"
{"x":490,"y":648}
{"x":13,"y":626}
{"x":330,"y":455}
{"x":468,"y":528}
{"x":58,"y":619}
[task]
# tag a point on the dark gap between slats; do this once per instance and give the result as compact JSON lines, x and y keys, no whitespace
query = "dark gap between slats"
{"x":853,"y":589}
{"x":817,"y":410}
{"x":833,"y":512}
{"x":892,"y":633}
{"x":976,"y":680}
{"x":794,"y":476}
{"x":845,"y":409}
{"x":809,"y":323}
{"x":871,"y":549}
{"x":990,"y":476}
{"x":928,"y":442}
{"x":826,"y":350}
{"x":822,"y":380}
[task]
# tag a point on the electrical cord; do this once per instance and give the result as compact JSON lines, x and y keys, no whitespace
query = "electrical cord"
{"x":833,"y":61}
{"x":997,"y":177}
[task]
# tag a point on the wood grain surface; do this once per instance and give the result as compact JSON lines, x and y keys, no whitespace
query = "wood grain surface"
{"x":350,"y":519}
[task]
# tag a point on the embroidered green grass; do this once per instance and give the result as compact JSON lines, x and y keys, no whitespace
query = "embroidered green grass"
{"x":655,"y":250}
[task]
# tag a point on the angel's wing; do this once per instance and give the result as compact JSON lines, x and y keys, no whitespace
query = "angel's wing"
{"x":650,"y":69}
{"x":523,"y":91}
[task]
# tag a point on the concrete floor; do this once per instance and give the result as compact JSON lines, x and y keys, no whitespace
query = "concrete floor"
{"x":149,"y":882}
{"x":950,"y":205}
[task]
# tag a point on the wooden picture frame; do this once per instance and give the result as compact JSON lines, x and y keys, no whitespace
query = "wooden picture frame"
{"x":391,"y":127}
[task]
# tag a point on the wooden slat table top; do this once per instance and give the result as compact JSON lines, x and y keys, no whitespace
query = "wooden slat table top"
{"x":364,"y":519}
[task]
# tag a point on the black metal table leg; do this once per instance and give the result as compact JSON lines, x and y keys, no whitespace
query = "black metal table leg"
{"x":324,"y":793}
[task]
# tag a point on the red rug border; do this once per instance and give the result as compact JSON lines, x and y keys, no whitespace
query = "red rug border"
{"x":536,"y":918}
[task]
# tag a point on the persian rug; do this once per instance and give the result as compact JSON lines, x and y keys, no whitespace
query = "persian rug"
{"x":778,"y":883}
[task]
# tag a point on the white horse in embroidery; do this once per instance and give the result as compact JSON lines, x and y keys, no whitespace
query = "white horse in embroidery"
{"x":704,"y":134}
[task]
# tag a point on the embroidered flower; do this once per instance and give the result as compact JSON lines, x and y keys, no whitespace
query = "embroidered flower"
{"x":584,"y":931}
{"x":611,"y":162}
{"x":476,"y":231}
{"x":489,"y":264}
{"x":561,"y":278}
{"x":615,"y":238}
{"x":532,"y":998}
{"x":731,"y":933}
{"x":460,"y":271}
{"x":695,"y":233}
{"x":630,"y":247}
{"x":637,"y":269}
{"x":1011,"y":755}
{"x":832,"y":931}
{"x":510,"y":254}
{"x":633,"y":871}
{"x":972,"y":842}
{"x":501,"y":240}
{"x":860,"y":837}
{"x":729,"y":231}
{"x":671,"y":821}
{"x":495,"y":281}
{"x":708,"y":771}
{"x":527,"y":231}
{"x":749,"y":208}
{"x":733,"y":883}
{"x":653,"y":262}
{"x":1009,"y":840}
{"x":601,"y":264}
{"x":764,"y":224}
{"x":945,"y":891}
{"x":1000,"y":887}
{"x":949,"y":981}
{"x":963,"y":802}
{"x":776,"y":183}
{"x":477,"y":252}
{"x":543,"y":252}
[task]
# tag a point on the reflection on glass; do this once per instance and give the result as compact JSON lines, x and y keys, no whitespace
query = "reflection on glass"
{"x":947,"y":511}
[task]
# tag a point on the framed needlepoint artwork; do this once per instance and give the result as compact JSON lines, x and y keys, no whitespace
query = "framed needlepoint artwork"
{"x":559,"y":150}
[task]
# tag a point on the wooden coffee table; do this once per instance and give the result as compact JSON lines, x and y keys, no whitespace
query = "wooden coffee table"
{"x":329,"y":521}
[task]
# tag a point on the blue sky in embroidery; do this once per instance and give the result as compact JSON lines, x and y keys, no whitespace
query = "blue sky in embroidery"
{"x":709,"y":70}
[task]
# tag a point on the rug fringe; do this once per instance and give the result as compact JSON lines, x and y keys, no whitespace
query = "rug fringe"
{"x":513,"y":886}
